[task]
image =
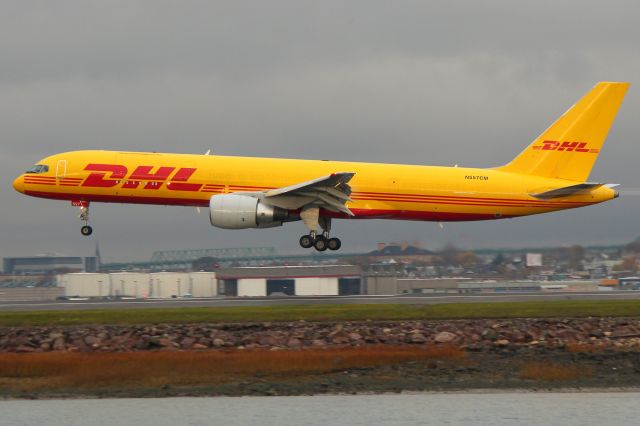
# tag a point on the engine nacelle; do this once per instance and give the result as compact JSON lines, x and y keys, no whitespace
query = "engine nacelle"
{"x":235,"y":211}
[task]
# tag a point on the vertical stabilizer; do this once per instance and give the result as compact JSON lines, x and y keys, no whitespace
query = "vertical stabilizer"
{"x":569,"y":148}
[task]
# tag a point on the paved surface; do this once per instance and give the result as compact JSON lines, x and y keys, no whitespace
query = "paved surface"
{"x":316,"y":300}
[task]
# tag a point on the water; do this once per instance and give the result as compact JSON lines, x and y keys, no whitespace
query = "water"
{"x":567,"y":409}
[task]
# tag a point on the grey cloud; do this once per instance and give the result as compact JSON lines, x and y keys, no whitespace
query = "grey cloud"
{"x":406,"y":82}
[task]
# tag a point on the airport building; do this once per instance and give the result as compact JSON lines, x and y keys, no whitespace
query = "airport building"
{"x":332,"y":280}
{"x":326,"y":280}
{"x":139,"y":285}
{"x":323,"y":280}
{"x":38,"y":265}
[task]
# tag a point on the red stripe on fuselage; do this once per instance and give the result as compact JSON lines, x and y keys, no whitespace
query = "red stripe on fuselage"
{"x":360,"y":213}
{"x":472,"y":202}
{"x":400,"y":197}
{"x":189,"y":202}
{"x":415,"y":215}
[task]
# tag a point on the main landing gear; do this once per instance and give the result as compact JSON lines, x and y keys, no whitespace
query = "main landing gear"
{"x":86,"y":230}
{"x":322,"y":242}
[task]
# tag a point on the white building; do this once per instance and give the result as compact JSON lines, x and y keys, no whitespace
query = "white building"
{"x":203,"y":284}
{"x":84,"y":284}
{"x":169,"y":284}
{"x":130,"y":284}
{"x":139,"y":285}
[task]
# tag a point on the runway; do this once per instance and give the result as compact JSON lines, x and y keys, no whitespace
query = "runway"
{"x":415,"y":299}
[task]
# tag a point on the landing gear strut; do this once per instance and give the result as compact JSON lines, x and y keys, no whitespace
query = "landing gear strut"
{"x":86,"y":230}
{"x":321,"y":242}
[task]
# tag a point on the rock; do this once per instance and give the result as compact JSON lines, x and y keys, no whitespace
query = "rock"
{"x":518,"y":337}
{"x":205,"y":341}
{"x":501,"y":342}
{"x":355,"y":336}
{"x":199,"y":346}
{"x":318,"y":342}
{"x":294,"y":343}
{"x":386,"y":330}
{"x":58,"y":344}
{"x":25,"y":349}
{"x":91,"y":340}
{"x":445,"y":337}
{"x":417,"y":338}
{"x":187,"y":342}
{"x":489,"y":334}
{"x":340,"y":338}
{"x":596,"y":333}
{"x":218,"y":343}
{"x":267,"y":341}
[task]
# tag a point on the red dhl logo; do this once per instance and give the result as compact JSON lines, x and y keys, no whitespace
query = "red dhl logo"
{"x":110,"y":175}
{"x":565,"y":146}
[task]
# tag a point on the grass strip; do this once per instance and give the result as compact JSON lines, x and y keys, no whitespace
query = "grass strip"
{"x":374,"y":312}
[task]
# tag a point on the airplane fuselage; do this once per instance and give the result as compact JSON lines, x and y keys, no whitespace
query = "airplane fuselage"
{"x":384,"y":191}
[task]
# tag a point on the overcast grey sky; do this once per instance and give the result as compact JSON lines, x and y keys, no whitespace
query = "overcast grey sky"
{"x":422,"y":82}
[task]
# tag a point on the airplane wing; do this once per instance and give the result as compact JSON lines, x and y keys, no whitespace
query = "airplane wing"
{"x":566,"y":191}
{"x":330,"y":192}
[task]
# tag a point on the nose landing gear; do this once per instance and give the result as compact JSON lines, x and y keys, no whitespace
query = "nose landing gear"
{"x":86,"y":230}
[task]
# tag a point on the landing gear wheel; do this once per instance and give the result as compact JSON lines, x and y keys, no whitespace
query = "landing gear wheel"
{"x":306,"y":241}
{"x":334,"y":244}
{"x":320,"y":243}
{"x":86,"y":230}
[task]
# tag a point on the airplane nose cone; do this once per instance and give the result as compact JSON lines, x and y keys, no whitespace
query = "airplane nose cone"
{"x":18,"y":184}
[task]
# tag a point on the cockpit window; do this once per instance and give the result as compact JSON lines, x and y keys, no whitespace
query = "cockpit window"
{"x":38,"y":168}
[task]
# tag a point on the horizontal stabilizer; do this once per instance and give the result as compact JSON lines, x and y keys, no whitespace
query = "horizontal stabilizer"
{"x":567,"y":191}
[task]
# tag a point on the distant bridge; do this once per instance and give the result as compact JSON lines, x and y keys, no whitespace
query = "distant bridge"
{"x":223,"y":253}
{"x":245,"y":256}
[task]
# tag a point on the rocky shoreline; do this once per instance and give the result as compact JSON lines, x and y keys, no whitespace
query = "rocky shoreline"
{"x":578,"y":334}
{"x":534,"y":354}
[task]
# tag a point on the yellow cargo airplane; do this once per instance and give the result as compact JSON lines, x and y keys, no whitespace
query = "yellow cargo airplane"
{"x":243,"y":192}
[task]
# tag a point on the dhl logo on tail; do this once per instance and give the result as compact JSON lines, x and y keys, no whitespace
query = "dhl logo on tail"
{"x":565,"y":146}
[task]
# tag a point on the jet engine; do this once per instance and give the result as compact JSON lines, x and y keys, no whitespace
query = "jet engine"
{"x":236,"y":211}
